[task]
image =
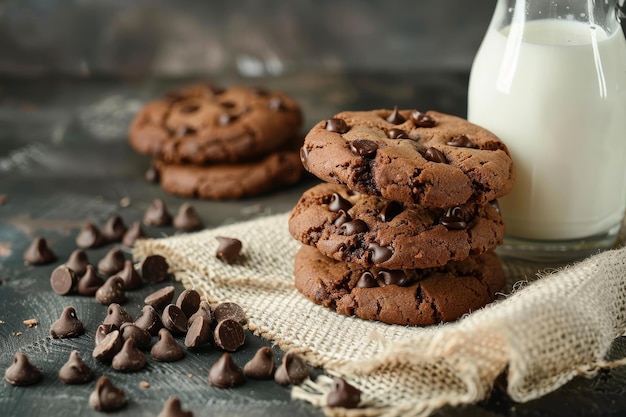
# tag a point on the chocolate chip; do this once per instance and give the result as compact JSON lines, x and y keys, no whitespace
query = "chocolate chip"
{"x":116,"y":315}
{"x":190,"y":108}
{"x":108,"y":347}
{"x":261,"y":366}
{"x":174,"y":319}
{"x":184,"y":130}
{"x":343,"y":218}
{"x":292,"y":370}
{"x":228,"y":104}
{"x":304,"y":157}
{"x":225,"y":373}
{"x":495,"y":205}
{"x":75,"y":371}
{"x":78,"y":262}
{"x":160,"y":298}
{"x":152,"y":175}
{"x":38,"y":253}
{"x":225,"y":119}
{"x":354,"y":226}
{"x":89,"y":237}
{"x":379,"y":254}
{"x":187,"y":218}
{"x":166,"y":349}
{"x":112,"y":262}
{"x":337,"y":202}
{"x":149,"y":320}
{"x":106,"y":396}
{"x":22,"y":372}
{"x":364,"y":147}
{"x":172,"y":408}
{"x":112,"y":291}
{"x":130,"y":276}
{"x":391,"y":210}
{"x":204,"y":310}
{"x":188,"y":301}
{"x":129,"y":359}
{"x":157,"y":214}
{"x":229,"y":310}
{"x":397,"y":134}
{"x":395,"y":117}
{"x":461,"y":141}
{"x":276,"y":104}
{"x":435,"y":155}
{"x":90,"y":282}
{"x":141,"y":337}
{"x":67,"y":326}
{"x":229,"y":335}
{"x":336,"y":125}
{"x":199,"y":333}
{"x":134,"y":233}
{"x":228,"y":249}
{"x":62,"y":280}
{"x":102,"y":331}
{"x":343,"y":394}
{"x":453,"y":219}
{"x":422,"y":120}
{"x":367,"y":280}
{"x":114,"y":229}
{"x":395,"y":277}
{"x":154,"y":268}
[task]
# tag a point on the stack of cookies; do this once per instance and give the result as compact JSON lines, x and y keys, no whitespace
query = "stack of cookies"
{"x":404,"y":228}
{"x":220,"y":143}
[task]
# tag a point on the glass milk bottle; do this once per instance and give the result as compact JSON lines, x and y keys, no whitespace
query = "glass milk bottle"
{"x":550,"y":80}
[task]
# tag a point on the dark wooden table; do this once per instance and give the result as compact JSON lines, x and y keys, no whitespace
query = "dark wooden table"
{"x":64,"y":160}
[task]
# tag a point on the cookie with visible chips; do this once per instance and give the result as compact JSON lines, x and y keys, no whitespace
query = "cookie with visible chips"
{"x":432,"y":159}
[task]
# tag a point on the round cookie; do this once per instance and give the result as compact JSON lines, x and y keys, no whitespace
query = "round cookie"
{"x":206,"y":124}
{"x":432,"y":159}
{"x":424,"y":297}
{"x":372,"y":231}
{"x":231,"y":180}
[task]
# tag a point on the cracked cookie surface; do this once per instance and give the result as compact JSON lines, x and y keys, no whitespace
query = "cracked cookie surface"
{"x":424,"y":297}
{"x":208,"y":124}
{"x":373,"y":231}
{"x":432,"y":159}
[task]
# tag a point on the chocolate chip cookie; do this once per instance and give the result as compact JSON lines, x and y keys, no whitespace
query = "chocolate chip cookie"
{"x":407,"y":297}
{"x":231,"y":181}
{"x":373,"y":231}
{"x":432,"y":159}
{"x":207,"y":124}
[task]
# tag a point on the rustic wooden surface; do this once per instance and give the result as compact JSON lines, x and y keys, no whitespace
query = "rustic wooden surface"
{"x":64,"y":160}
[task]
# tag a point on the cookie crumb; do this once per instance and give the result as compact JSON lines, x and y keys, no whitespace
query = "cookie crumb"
{"x":4,"y":198}
{"x":190,"y":376}
{"x":144,"y":384}
{"x":125,"y":201}
{"x":17,"y":334}
{"x":30,"y":322}
{"x":2,"y":321}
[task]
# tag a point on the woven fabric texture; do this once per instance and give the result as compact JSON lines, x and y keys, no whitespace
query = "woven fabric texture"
{"x":541,"y":335}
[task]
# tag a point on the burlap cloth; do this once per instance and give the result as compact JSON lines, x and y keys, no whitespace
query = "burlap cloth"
{"x":542,"y":334}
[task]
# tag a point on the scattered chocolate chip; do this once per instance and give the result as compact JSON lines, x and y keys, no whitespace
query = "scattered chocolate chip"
{"x":292,"y":370}
{"x":229,"y":335}
{"x":78,"y":262}
{"x":190,"y":108}
{"x":276,"y":104}
{"x":112,"y":263}
{"x":112,"y":291}
{"x":395,"y":117}
{"x":75,"y":371}
{"x":337,"y":203}
{"x":453,"y":219}
{"x":261,"y":366}
{"x":378,"y":254}
{"x":134,"y":233}
{"x":38,"y":253}
{"x":116,"y":315}
{"x":204,"y":310}
{"x":102,"y":331}
{"x":188,"y":301}
{"x":422,"y":120}
{"x":199,"y":333}
{"x":157,"y":214}
{"x":225,"y":373}
{"x":435,"y":155}
{"x":108,"y":347}
{"x":461,"y":141}
{"x":141,"y":337}
{"x":90,"y":282}
{"x":154,"y":268}
{"x":114,"y":229}
{"x":364,"y":147}
{"x":129,"y":359}
{"x":172,"y":408}
{"x":22,"y":372}
{"x":67,"y":326}
{"x":336,"y":125}
{"x":174,"y":319}
{"x":106,"y":396}
{"x":343,"y":394}
{"x":160,"y":298}
{"x":343,"y":218}
{"x":228,"y":249}
{"x":391,"y":210}
{"x":395,"y":277}
{"x":130,"y":276}
{"x":152,"y":175}
{"x":229,"y":310}
{"x":367,"y":280}
{"x":304,"y":157}
{"x":62,"y":280}
{"x":354,"y":226}
{"x":166,"y":349}
{"x":187,"y":218}
{"x":495,"y":205}
{"x":89,"y":237}
{"x":397,"y":134}
{"x":149,"y":320}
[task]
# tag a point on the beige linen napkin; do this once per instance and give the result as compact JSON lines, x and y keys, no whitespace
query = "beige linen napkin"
{"x":542,"y":335}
